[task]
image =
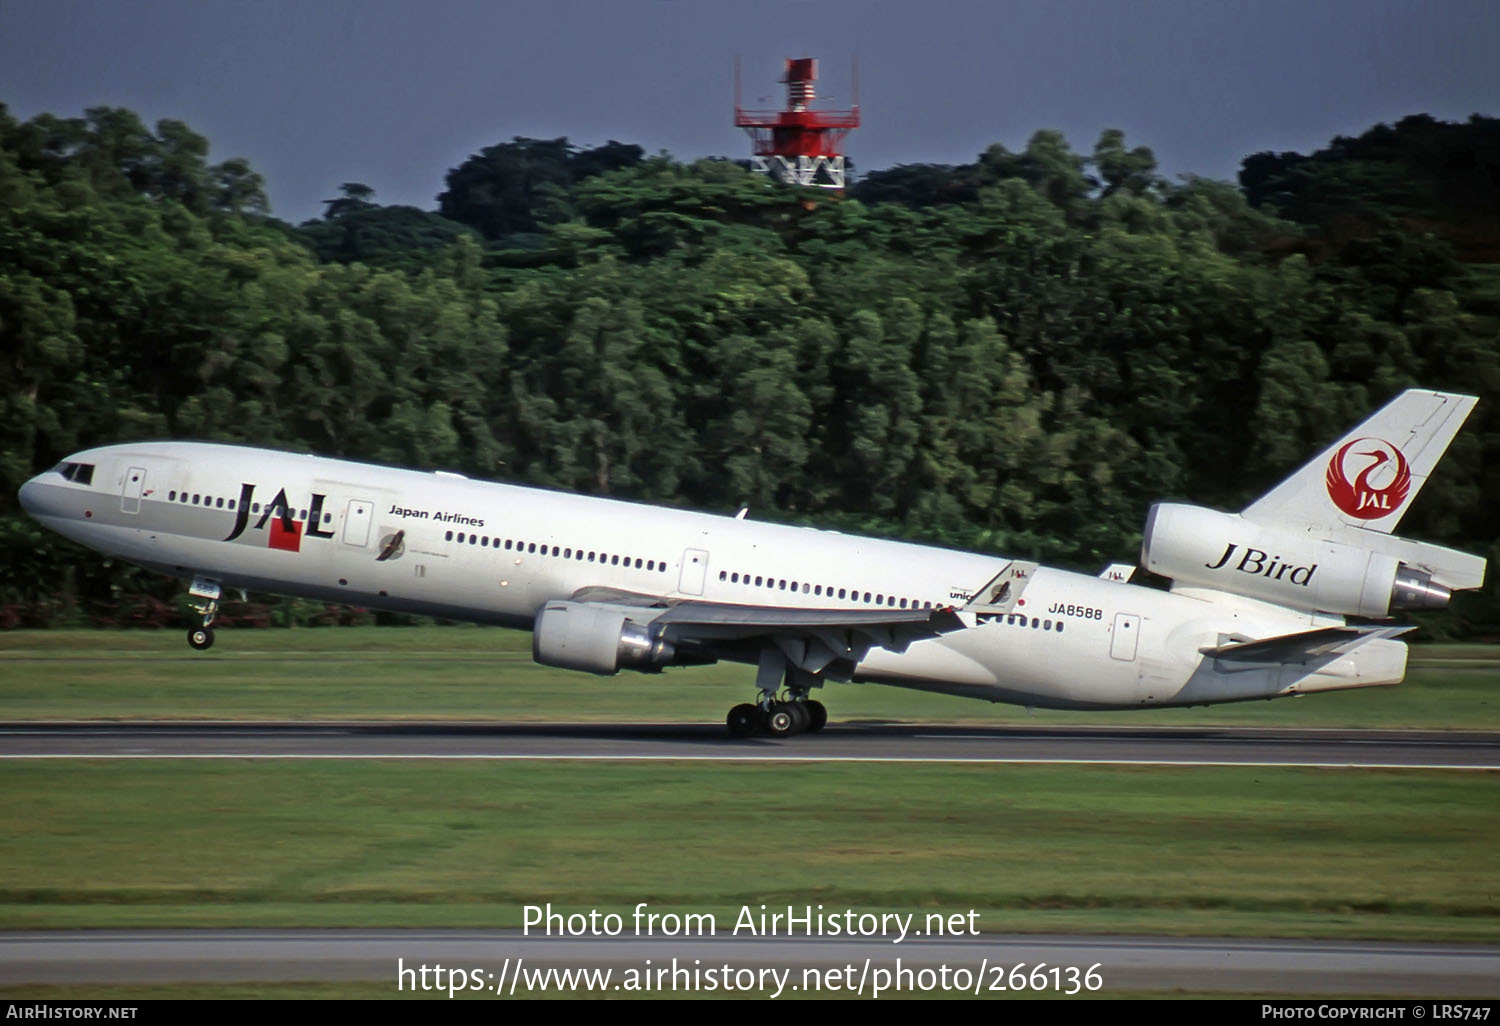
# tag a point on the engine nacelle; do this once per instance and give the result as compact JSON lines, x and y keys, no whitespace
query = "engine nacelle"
{"x":582,"y":636}
{"x":1205,"y":548}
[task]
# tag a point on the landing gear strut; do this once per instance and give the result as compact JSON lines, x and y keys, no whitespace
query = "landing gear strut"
{"x":205,"y":596}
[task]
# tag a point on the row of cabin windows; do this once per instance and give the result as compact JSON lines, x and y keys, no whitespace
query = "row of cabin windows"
{"x":511,"y":545}
{"x":1037,"y":623}
{"x":828,"y":591}
{"x":198,"y":499}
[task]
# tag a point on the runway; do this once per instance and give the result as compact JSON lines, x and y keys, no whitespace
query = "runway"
{"x":502,"y":958}
{"x":845,"y":742}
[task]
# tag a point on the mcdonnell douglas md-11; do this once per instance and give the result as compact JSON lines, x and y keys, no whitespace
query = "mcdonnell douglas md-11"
{"x":1292,"y":595}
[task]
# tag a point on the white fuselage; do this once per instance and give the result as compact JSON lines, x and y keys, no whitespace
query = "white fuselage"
{"x":494,"y":553}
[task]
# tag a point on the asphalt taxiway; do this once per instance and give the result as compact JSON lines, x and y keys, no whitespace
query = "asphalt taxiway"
{"x":856,"y":742}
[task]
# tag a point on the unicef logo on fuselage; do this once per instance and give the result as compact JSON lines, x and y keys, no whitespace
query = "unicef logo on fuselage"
{"x":1368,"y":478}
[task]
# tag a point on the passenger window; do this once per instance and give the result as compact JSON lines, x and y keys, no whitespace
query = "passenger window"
{"x":531,"y":547}
{"x":460,"y":537}
{"x":614,"y":561}
{"x":219,"y":503}
{"x":1059,"y":626}
{"x":473,"y":538}
{"x":841,"y":593}
{"x":448,"y":536}
{"x":196,"y":497}
{"x":1046,"y":625}
{"x":172,"y":496}
{"x":1035,"y":620}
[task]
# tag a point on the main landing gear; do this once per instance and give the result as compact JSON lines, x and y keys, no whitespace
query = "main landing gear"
{"x":778,"y":718}
{"x":205,"y":596}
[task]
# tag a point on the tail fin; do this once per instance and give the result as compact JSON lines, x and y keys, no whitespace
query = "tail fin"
{"x":1368,"y":478}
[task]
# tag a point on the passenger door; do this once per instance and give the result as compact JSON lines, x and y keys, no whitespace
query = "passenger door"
{"x":694,"y":567}
{"x":130,"y":495}
{"x":357,"y":522}
{"x":1125,"y":637}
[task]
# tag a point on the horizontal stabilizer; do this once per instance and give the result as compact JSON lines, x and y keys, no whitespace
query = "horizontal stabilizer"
{"x":1302,"y":647}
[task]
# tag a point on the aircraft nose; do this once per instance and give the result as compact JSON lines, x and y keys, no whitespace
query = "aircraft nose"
{"x":30,"y":496}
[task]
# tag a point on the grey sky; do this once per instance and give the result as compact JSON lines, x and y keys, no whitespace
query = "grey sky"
{"x":393,"y":93}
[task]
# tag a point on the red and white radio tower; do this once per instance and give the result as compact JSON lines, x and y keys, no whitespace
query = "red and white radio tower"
{"x":799,"y":145}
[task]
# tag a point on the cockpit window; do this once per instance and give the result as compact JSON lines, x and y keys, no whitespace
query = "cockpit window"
{"x":79,"y":473}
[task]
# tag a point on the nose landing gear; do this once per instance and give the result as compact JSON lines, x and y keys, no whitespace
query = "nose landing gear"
{"x":205,"y":596}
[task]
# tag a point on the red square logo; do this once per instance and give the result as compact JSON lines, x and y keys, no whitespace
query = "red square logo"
{"x":284,"y":537}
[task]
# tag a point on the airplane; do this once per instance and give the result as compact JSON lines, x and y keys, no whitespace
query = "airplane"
{"x":1292,"y":595}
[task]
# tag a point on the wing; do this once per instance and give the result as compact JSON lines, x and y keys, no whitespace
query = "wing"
{"x":830,"y":642}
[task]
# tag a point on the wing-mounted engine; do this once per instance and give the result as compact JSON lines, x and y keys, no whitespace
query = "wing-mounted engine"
{"x":1325,"y":569}
{"x":596,"y":639}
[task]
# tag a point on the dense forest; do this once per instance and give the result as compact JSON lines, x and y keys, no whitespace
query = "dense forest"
{"x":1014,"y":355}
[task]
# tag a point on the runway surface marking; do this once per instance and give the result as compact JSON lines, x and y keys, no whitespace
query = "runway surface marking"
{"x":778,"y":757}
{"x":847,"y":743}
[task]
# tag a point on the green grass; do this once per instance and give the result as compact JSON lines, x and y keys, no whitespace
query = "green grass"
{"x":1239,"y":851}
{"x":476,"y":673}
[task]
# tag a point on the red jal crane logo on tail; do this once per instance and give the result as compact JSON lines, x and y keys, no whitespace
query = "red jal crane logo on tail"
{"x":1379,"y":487}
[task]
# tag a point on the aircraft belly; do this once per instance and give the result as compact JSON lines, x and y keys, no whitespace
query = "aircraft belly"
{"x":1012,"y":663}
{"x":932,"y":661}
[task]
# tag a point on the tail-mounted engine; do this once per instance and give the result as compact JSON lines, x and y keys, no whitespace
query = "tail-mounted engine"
{"x":596,"y":639}
{"x":1303,"y":569}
